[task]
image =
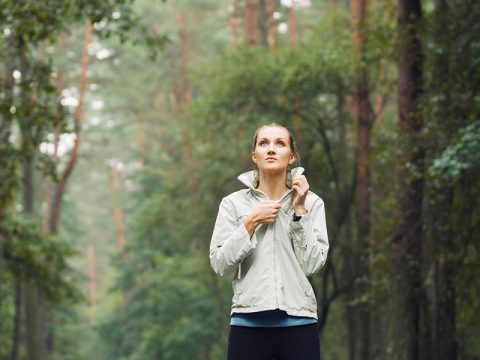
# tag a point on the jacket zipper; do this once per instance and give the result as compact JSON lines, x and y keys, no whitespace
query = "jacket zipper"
{"x":274,"y":249}
{"x":275,"y":266}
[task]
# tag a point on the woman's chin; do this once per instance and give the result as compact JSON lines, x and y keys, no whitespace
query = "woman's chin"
{"x":272,"y":168}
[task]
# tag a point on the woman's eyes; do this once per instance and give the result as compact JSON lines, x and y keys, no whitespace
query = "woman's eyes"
{"x":265,"y":143}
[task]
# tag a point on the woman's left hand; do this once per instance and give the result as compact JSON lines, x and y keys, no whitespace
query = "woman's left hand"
{"x":300,"y":190}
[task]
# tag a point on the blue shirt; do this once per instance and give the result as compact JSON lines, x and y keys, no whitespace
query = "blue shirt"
{"x":269,"y":318}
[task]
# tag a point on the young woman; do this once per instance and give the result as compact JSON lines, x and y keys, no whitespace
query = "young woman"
{"x":272,"y":235}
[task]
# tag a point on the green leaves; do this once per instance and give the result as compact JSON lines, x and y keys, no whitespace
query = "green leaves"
{"x":459,"y":157}
{"x":34,"y":257}
{"x":171,"y":313}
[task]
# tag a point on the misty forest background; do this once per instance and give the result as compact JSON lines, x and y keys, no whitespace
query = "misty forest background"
{"x":124,"y":123}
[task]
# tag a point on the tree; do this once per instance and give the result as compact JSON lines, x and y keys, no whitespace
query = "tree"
{"x":410,"y":317}
{"x":360,"y":313}
{"x":32,"y":105}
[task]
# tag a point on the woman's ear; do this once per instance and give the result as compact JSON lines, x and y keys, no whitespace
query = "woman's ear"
{"x":292,"y":159}
{"x":254,"y":158}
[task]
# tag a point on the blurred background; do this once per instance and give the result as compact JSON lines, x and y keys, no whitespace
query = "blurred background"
{"x":123,"y":124}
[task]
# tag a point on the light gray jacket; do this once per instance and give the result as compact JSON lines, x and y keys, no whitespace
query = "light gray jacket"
{"x":272,"y":267}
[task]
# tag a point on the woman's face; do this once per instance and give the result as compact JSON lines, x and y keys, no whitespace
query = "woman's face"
{"x":272,"y":149}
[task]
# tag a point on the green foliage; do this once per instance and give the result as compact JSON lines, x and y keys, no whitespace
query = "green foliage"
{"x":452,"y":136}
{"x":157,"y":297}
{"x":31,"y":256}
{"x":253,"y":87}
{"x":40,"y":20}
{"x":30,"y":111}
{"x":7,"y":311}
{"x":459,"y":157}
{"x":170,"y":314}
{"x":26,"y":24}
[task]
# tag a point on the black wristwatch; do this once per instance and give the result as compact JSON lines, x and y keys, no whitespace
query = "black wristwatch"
{"x":296,"y":217}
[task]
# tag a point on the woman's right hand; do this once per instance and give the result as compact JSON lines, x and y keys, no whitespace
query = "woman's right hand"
{"x":265,"y":213}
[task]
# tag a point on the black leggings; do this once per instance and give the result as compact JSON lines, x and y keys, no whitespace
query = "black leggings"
{"x":282,"y":343}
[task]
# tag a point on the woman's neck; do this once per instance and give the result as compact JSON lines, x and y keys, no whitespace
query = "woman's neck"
{"x":273,"y":185}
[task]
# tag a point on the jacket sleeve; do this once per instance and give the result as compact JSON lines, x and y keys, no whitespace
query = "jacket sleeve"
{"x":310,"y":239}
{"x":230,"y":242}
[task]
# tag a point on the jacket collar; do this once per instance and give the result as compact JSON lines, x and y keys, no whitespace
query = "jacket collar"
{"x":248,"y":178}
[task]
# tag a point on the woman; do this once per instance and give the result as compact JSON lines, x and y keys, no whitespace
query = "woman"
{"x":272,"y":235}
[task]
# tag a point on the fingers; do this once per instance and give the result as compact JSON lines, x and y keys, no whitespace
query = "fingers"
{"x":268,"y":211}
{"x":300,"y":185}
{"x":271,"y":202}
{"x":273,"y":208}
{"x":301,"y":192}
{"x":300,"y":188}
{"x":300,"y":180}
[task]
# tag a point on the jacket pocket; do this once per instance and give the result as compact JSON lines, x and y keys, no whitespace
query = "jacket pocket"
{"x":311,"y":300}
{"x":308,"y":301}
{"x":237,"y":285}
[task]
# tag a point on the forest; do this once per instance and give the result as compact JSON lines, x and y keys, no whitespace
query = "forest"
{"x":124,"y":123}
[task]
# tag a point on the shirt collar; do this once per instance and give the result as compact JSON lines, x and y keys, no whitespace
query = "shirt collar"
{"x":248,"y":178}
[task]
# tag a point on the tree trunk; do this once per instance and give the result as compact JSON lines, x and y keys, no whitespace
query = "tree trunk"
{"x":263,"y":22}
{"x":32,"y":303}
{"x":292,"y":24}
{"x":17,"y":322}
{"x":6,"y":120}
{"x":59,"y":86}
{"x":120,"y":234}
{"x":33,"y":310}
{"x":251,"y":37}
{"x":444,"y":346}
{"x":49,"y":185}
{"x":141,"y":138}
{"x":92,"y":274}
{"x":8,"y":166}
{"x":360,"y":318}
{"x":272,"y":6}
{"x":116,"y":185}
{"x":298,"y":122}
{"x":33,"y":323}
{"x":183,"y":99}
{"x":233,"y":21}
{"x":408,"y":236}
{"x":60,"y":189}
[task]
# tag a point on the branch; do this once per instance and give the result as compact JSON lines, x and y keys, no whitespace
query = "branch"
{"x":58,"y":195}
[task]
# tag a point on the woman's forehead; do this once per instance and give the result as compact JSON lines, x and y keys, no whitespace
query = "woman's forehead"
{"x":273,"y":132}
